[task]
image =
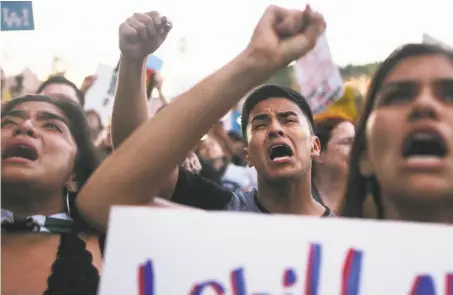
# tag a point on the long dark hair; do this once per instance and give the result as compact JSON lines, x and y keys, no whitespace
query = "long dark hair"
{"x":359,"y":186}
{"x":73,"y":271}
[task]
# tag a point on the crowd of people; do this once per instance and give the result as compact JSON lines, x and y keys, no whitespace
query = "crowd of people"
{"x":62,"y":170}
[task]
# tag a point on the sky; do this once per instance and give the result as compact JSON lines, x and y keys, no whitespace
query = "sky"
{"x":85,"y":33}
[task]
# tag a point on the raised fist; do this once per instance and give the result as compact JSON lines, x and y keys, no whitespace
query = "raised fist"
{"x":283,"y":35}
{"x":142,"y":34}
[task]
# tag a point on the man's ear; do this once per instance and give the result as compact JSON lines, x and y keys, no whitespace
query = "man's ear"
{"x":315,"y":146}
{"x":247,"y":157}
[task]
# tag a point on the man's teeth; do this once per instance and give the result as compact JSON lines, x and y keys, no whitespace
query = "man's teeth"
{"x":423,"y":159}
{"x":281,"y":158}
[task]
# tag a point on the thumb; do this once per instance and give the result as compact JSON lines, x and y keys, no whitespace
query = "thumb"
{"x":300,"y":44}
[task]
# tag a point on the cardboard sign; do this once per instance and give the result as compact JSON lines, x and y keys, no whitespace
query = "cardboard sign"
{"x":159,"y":251}
{"x":101,"y":95}
{"x":318,"y":77}
{"x":348,"y":106}
{"x":16,"y":16}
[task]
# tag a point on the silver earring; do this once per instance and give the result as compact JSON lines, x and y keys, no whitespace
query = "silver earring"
{"x":68,"y":209}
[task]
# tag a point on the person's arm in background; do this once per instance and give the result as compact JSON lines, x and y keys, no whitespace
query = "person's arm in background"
{"x":158,"y":80}
{"x":130,"y":109}
{"x":136,"y":169}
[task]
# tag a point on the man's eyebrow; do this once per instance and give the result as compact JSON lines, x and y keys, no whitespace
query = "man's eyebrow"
{"x":287,"y":114}
{"x":16,"y":113}
{"x":260,"y":117}
{"x":43,"y":115}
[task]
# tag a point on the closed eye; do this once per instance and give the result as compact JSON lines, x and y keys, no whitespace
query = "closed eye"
{"x":291,"y":120}
{"x":53,"y":126}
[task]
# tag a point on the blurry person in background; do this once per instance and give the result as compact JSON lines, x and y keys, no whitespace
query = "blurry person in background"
{"x":87,"y":83}
{"x":231,"y":142}
{"x":229,"y":175}
{"x":155,"y":81}
{"x":61,"y":88}
{"x":104,"y":142}
{"x":330,"y":169}
{"x":18,"y":88}
{"x":95,"y":123}
{"x":237,"y":148}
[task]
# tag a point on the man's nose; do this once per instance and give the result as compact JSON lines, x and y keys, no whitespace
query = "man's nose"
{"x":275,"y":129}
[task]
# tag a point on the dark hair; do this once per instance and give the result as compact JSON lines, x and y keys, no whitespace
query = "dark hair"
{"x":72,"y":271}
{"x":267,"y":91}
{"x":358,"y":186}
{"x":62,"y":80}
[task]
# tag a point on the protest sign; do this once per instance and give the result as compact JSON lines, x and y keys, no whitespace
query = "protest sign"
{"x":16,"y":16}
{"x":318,"y":77}
{"x":158,"y":251}
{"x":347,"y":107}
{"x":154,"y":63}
{"x":427,"y":39}
{"x":100,"y":96}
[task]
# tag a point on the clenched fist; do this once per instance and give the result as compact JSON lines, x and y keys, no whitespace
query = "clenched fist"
{"x":142,"y":34}
{"x":283,"y":35}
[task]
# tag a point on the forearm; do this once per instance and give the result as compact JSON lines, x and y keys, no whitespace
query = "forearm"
{"x":130,"y":109}
{"x":133,"y":173}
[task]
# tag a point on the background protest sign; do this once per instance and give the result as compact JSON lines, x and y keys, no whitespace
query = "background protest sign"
{"x":154,"y":63}
{"x":101,"y":95}
{"x":16,"y":16}
{"x":318,"y":77}
{"x":427,"y":39}
{"x":157,"y":251}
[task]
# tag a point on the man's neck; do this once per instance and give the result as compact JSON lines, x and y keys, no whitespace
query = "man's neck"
{"x":289,"y":197}
{"x":25,"y":201}
{"x":330,"y":189}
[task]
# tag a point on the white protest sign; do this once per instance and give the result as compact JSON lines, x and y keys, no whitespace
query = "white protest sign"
{"x":100,"y":96}
{"x":427,"y":39}
{"x":182,"y":252}
{"x":318,"y":77}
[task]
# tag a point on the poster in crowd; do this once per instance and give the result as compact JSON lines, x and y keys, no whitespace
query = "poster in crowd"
{"x":157,"y":251}
{"x":16,"y":16}
{"x":431,"y":40}
{"x":318,"y":77}
{"x":100,"y":96}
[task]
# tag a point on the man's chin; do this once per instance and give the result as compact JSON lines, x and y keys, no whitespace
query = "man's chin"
{"x":284,"y":174}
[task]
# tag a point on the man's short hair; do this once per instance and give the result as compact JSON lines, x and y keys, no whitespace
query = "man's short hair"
{"x":63,"y":80}
{"x":269,"y":91}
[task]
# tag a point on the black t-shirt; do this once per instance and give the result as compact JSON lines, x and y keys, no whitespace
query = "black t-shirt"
{"x":196,"y":191}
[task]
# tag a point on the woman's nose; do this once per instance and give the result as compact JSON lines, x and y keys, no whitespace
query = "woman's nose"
{"x":25,"y":128}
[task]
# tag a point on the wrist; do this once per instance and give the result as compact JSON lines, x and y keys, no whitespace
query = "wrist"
{"x":132,"y":62}
{"x":260,"y":63}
